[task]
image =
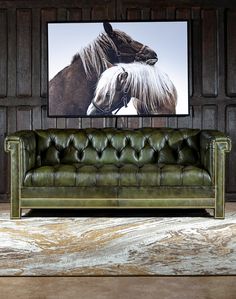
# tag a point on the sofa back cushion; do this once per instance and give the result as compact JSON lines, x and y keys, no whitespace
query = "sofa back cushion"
{"x":119,"y":146}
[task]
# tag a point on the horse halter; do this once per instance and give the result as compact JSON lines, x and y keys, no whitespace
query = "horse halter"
{"x":120,"y":54}
{"x":124,"y":100}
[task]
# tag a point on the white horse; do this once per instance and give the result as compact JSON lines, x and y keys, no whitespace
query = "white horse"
{"x":151,"y":89}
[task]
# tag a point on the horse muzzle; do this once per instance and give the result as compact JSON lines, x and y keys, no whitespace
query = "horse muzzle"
{"x":147,"y":55}
{"x":152,"y":61}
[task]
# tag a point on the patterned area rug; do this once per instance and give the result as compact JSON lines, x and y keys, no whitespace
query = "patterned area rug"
{"x":86,"y":243}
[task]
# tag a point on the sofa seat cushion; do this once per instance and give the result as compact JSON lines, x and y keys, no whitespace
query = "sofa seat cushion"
{"x":127,"y":175}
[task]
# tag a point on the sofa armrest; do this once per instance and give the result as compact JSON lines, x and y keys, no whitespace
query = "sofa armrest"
{"x":22,"y":146}
{"x":214,"y":145}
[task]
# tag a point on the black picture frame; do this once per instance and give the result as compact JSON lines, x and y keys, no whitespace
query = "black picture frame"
{"x":69,"y":86}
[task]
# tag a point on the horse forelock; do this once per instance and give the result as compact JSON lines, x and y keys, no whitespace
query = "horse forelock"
{"x":151,"y":86}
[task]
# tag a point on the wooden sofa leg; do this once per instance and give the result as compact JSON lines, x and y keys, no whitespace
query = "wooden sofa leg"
{"x":15,"y":212}
{"x":219,"y":212}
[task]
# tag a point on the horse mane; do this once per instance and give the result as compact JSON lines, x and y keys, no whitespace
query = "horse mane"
{"x":94,"y":55}
{"x":148,"y":84}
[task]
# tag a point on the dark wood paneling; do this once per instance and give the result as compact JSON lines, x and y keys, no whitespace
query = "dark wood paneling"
{"x":3,"y":161}
{"x":24,"y":46}
{"x":74,"y":14}
{"x":133,"y":14}
{"x":47,"y":15}
{"x":230,"y":129}
{"x":11,"y":61}
{"x":197,"y":116}
{"x":209,"y":53}
{"x":36,"y":53}
{"x":209,"y":117}
{"x":3,"y":53}
{"x":11,"y":120}
{"x":231,"y":50}
{"x":24,"y":118}
{"x":212,"y":65}
{"x":196,"y":57}
{"x":47,"y":122}
{"x":73,"y":123}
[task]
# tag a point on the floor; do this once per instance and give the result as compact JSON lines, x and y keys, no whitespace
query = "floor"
{"x":202,"y":287}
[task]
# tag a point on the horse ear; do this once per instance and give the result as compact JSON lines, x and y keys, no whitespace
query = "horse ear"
{"x":108,"y":28}
{"x":123,"y":76}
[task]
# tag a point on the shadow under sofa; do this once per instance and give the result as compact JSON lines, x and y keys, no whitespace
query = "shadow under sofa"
{"x":117,"y":168}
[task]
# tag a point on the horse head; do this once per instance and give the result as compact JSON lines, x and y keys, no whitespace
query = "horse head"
{"x":151,"y":89}
{"x":111,"y":93}
{"x":128,"y":50}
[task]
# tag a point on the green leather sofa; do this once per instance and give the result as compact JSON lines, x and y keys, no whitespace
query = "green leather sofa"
{"x":117,"y":168}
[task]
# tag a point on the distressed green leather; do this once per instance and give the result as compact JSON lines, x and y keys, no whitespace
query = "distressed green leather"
{"x":157,"y":167}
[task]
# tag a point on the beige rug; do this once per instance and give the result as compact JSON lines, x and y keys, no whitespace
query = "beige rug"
{"x":117,"y":243}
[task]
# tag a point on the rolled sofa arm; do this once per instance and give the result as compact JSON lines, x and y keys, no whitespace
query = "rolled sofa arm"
{"x":213,"y":146}
{"x":22,"y":147}
{"x":211,"y":142}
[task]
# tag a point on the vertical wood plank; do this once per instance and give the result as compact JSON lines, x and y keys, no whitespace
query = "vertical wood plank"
{"x":73,"y":123}
{"x":231,"y":50}
{"x":47,"y":15}
{"x":24,"y":118}
{"x":209,"y":53}
{"x":170,"y":12}
{"x":196,"y":52}
{"x":86,"y":13}
{"x":61,"y":14}
{"x":209,"y":117}
{"x":110,"y":121}
{"x":230,"y":130}
{"x":185,"y":14}
{"x":221,"y":53}
{"x":36,"y":118}
{"x":146,"y":121}
{"x":3,"y":160}
{"x":159,"y":122}
{"x":133,"y":14}
{"x":61,"y":123}
{"x":36,"y":52}
{"x":122,"y":122}
{"x":74,"y":14}
{"x":11,"y":120}
{"x":135,"y":122}
{"x":158,"y":13}
{"x":11,"y":60}
{"x":172,"y":122}
{"x":99,"y":13}
{"x":185,"y":121}
{"x":98,"y":122}
{"x":3,"y":52}
{"x":197,"y":117}
{"x":86,"y":122}
{"x":24,"y":45}
{"x":47,"y":122}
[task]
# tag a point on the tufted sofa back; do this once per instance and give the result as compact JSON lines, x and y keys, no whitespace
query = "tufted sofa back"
{"x":118,"y":146}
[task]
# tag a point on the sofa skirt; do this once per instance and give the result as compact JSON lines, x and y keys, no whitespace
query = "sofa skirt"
{"x":127,"y":197}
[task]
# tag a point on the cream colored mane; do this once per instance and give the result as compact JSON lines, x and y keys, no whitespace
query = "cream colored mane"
{"x":146,"y":83}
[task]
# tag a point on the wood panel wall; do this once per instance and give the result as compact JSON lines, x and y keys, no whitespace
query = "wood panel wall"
{"x":23,"y":66}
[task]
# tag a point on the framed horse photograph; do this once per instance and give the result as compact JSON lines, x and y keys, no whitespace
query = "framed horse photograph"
{"x":118,"y":68}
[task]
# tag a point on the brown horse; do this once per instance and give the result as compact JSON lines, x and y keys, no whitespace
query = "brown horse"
{"x":151,"y":89}
{"x":72,"y":89}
